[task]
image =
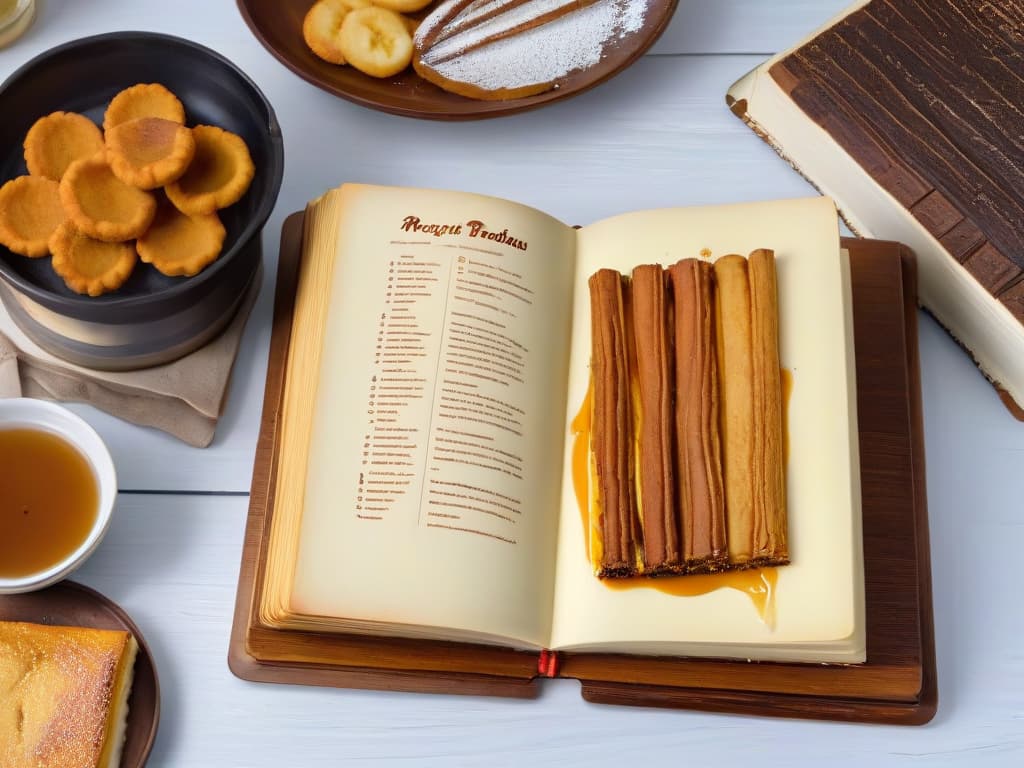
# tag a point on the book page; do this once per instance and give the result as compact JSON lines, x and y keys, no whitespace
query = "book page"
{"x":434,"y":470}
{"x":819,"y":597}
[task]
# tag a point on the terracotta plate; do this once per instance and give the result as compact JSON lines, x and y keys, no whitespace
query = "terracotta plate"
{"x":278,"y":25}
{"x":71,"y":604}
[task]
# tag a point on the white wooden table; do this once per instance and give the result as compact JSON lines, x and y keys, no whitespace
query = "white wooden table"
{"x":658,"y":135}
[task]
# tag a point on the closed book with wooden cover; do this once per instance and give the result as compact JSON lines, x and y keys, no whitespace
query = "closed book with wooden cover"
{"x":909,"y":115}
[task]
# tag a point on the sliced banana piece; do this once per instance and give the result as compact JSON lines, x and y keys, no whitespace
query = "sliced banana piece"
{"x":411,"y":24}
{"x":322,"y":27}
{"x":376,"y":41}
{"x":402,"y":6}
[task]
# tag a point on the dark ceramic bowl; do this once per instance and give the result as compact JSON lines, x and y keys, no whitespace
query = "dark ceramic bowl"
{"x":152,"y":318}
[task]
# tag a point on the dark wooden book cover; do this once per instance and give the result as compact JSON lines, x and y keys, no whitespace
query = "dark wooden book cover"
{"x":897,"y":683}
{"x":927,"y":96}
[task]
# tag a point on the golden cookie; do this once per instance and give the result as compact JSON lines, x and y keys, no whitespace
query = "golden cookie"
{"x":220,"y":173}
{"x":30,"y":211}
{"x":177,"y":244}
{"x":101,"y":205}
{"x":87,"y":265}
{"x":149,"y":152}
{"x":143,"y":100}
{"x":54,"y":142}
{"x":376,"y":41}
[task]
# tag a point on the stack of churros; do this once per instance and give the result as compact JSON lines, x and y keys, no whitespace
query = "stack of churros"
{"x":89,"y":193}
{"x":686,"y":423}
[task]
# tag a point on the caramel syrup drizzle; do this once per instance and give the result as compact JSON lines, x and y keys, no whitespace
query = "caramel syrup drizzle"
{"x":757,"y":583}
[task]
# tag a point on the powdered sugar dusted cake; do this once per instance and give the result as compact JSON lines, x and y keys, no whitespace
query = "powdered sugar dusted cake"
{"x":507,"y":49}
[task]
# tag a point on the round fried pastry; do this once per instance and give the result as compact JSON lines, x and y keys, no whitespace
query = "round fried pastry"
{"x":30,"y":212}
{"x":178,"y":244}
{"x":321,"y":28}
{"x":376,"y":41}
{"x":220,"y":173}
{"x":143,"y":100}
{"x":101,"y":205}
{"x":54,"y":142}
{"x":149,"y":152}
{"x":87,"y":265}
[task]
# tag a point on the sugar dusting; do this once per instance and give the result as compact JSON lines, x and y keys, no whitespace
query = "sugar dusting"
{"x":541,"y":54}
{"x":477,"y":9}
{"x":502,"y":24}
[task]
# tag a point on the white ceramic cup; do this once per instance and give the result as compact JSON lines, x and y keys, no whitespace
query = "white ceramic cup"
{"x":15,"y":18}
{"x":27,"y":413}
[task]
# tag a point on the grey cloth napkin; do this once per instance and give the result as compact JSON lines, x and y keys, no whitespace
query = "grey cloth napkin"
{"x":183,"y":398}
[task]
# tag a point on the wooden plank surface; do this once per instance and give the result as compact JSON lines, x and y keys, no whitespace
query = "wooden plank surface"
{"x":171,"y":561}
{"x":657,"y":135}
{"x":743,"y":26}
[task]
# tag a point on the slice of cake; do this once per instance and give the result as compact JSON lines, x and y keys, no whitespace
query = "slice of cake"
{"x":63,"y":695}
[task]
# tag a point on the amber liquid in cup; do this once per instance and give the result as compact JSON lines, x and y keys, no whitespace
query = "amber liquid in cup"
{"x":49,"y":500}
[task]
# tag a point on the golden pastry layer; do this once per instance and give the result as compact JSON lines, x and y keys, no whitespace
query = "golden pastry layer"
{"x":63,"y":695}
{"x":177,"y":244}
{"x":686,"y":427}
{"x":218,"y":176}
{"x":30,"y":212}
{"x":54,"y":142}
{"x":87,"y":265}
{"x":101,"y":205}
{"x":735,"y":367}
{"x":149,"y":152}
{"x":770,"y":543}
{"x":143,"y":100}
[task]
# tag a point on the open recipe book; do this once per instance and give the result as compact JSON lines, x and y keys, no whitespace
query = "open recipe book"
{"x":441,"y":350}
